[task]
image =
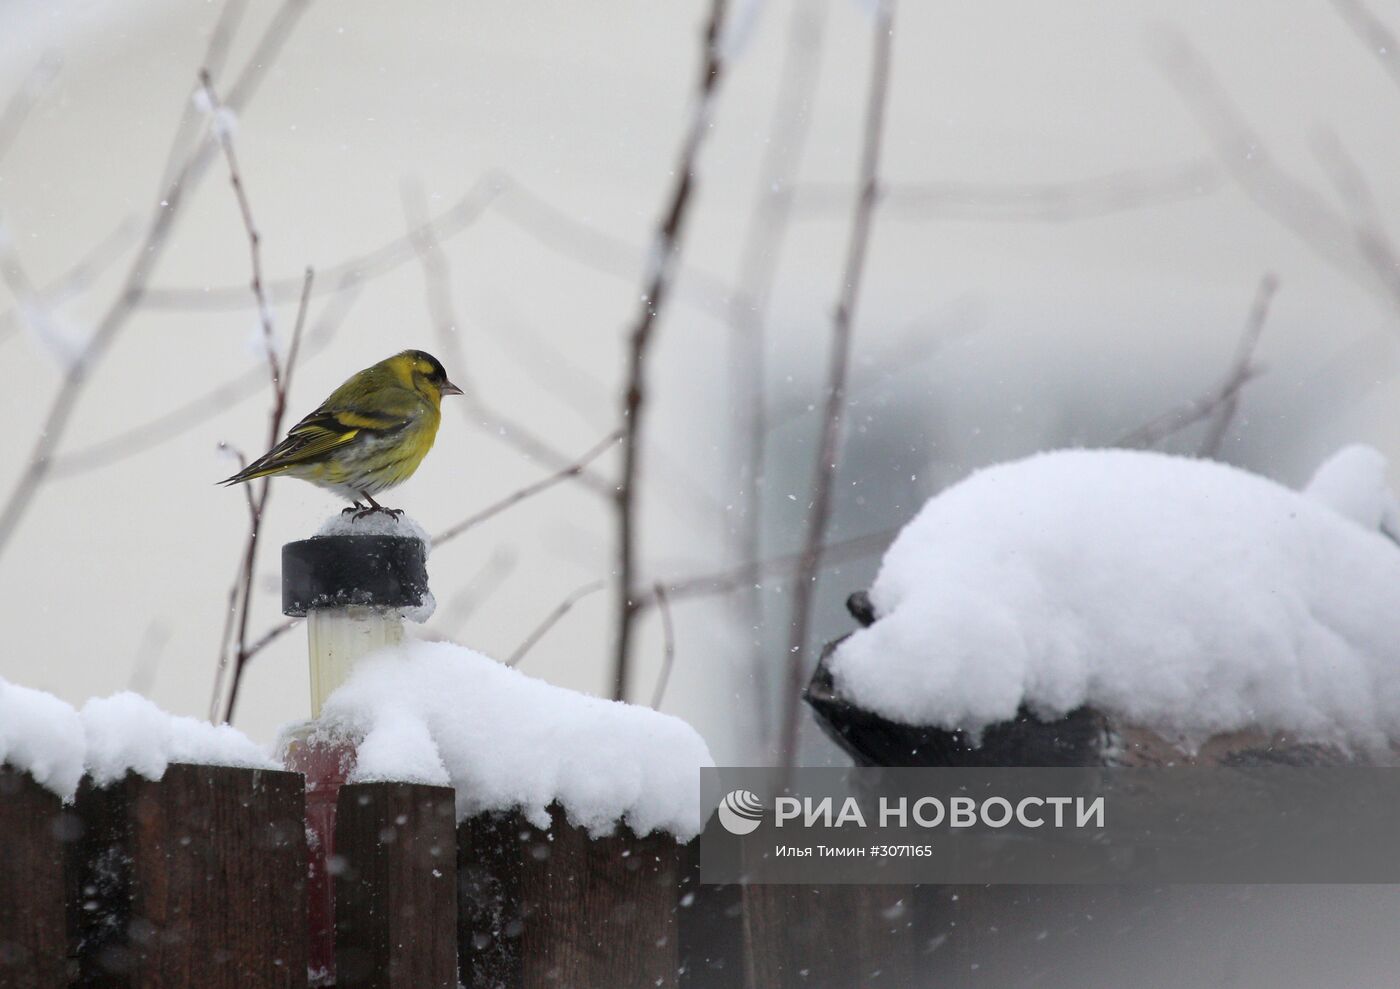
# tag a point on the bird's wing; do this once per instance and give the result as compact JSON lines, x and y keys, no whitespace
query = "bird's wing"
{"x":318,"y":436}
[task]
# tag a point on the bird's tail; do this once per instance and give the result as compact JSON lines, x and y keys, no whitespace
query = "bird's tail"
{"x":255,"y":470}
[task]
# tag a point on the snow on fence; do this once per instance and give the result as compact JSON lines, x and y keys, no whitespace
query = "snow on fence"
{"x":452,"y":818}
{"x":1112,"y":608}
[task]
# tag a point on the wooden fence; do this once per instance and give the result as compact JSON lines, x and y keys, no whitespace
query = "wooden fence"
{"x":200,"y":880}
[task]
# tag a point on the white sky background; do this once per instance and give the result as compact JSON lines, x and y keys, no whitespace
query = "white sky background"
{"x":1113,"y":319}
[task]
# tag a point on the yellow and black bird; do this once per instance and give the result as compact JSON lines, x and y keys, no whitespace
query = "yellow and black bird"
{"x":369,"y":435}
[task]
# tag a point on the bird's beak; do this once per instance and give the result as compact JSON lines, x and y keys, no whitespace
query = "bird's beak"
{"x":448,"y":388}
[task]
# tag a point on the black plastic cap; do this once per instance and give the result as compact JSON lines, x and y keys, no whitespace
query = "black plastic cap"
{"x":870,"y":739}
{"x":337,"y":571}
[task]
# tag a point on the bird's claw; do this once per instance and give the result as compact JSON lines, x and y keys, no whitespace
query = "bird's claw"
{"x":394,"y":513}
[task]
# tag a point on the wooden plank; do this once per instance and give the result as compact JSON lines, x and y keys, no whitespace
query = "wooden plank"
{"x":396,"y":888}
{"x":33,"y":928}
{"x":558,"y":908}
{"x":829,"y":936}
{"x":195,"y":880}
{"x":600,"y":911}
{"x":491,"y":912}
{"x":710,"y":928}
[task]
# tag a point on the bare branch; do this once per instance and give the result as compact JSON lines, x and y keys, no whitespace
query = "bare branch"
{"x":1373,"y":34}
{"x":558,"y":612}
{"x":437,"y":284}
{"x":829,"y":446}
{"x":200,"y":409}
{"x":661,"y":263}
{"x":55,"y":423}
{"x":22,"y":100}
{"x":530,"y":490}
{"x":191,"y":121}
{"x":749,"y":574}
{"x":919,"y":340}
{"x":759,"y":259}
{"x":270,"y":636}
{"x":389,"y":256}
{"x":242,"y":597}
{"x":547,"y":224}
{"x":1221,"y":401}
{"x":476,"y":591}
{"x":569,"y":237}
{"x":259,"y":505}
{"x":235,"y":589}
{"x":1240,"y":367}
{"x":1050,"y":202}
{"x":668,"y":656}
{"x":1279,"y":194}
{"x":224,"y":136}
{"x":76,"y":279}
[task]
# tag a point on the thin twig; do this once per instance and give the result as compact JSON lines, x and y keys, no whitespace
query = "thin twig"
{"x":1374,"y":35}
{"x":76,"y":279}
{"x":557,"y":230}
{"x":22,"y":100}
{"x":749,"y":574}
{"x":547,"y":224}
{"x":668,"y":655}
{"x":271,"y":635}
{"x":1240,"y":368}
{"x":192,"y":114}
{"x":759,"y":259}
{"x":829,"y":446}
{"x":149,"y":652}
{"x":241,"y":598}
{"x":558,"y":612}
{"x":469,"y":599}
{"x":77,"y":374}
{"x":530,"y":490}
{"x":1221,"y":400}
{"x":189,"y":415}
{"x":1289,"y":201}
{"x":661,"y":263}
{"x":919,"y":340}
{"x":222,"y":133}
{"x":437,"y":284}
{"x":1047,"y":202}
{"x":279,"y":408}
{"x":234,"y":590}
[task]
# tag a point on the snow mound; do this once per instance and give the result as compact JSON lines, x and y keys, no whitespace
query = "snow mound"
{"x":434,"y":712}
{"x":42,"y":736}
{"x":1352,"y":482}
{"x":1182,"y":595}
{"x":127,"y":733}
{"x":54,"y":743}
{"x":377,"y":524}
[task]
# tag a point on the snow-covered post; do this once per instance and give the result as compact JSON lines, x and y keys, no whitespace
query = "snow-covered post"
{"x":354,"y":582}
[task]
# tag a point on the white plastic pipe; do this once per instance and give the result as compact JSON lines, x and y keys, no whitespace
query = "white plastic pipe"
{"x":337,"y":638}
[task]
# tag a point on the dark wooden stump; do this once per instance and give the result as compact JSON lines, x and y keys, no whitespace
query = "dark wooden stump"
{"x":395,"y":887}
{"x":34,"y":828}
{"x":558,"y":908}
{"x":196,"y":880}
